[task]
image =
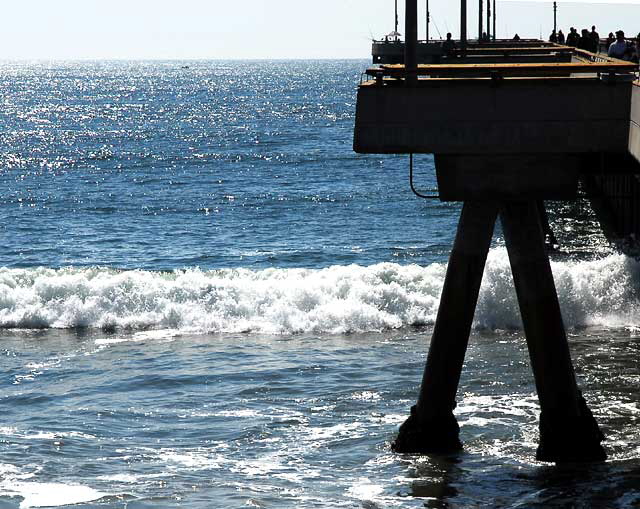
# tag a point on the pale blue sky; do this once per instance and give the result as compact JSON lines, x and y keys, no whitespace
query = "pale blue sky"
{"x":184,"y":29}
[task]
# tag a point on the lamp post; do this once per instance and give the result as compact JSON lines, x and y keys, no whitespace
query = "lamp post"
{"x":494,"y":19}
{"x":463,"y":26}
{"x":396,"y":22}
{"x":555,"y":17}
{"x":428,"y":20}
{"x":411,"y":41}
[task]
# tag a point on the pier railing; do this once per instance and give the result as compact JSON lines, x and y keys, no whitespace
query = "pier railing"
{"x":593,"y":64}
{"x":505,"y":58}
{"x":592,"y":57}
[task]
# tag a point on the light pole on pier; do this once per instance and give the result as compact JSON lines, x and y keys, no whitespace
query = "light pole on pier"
{"x":555,"y":17}
{"x":494,"y":19}
{"x":428,"y":20}
{"x":480,"y":12}
{"x":489,"y":19}
{"x":411,"y":41}
{"x":396,"y":25}
{"x":463,"y":26}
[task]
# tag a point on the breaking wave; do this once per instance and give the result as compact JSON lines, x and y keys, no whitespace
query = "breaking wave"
{"x":338,"y":299}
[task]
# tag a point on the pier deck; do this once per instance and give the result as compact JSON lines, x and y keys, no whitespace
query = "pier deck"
{"x":582,"y":106}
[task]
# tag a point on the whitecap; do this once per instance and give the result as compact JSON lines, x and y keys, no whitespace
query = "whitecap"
{"x":336,"y":300}
{"x":37,"y":494}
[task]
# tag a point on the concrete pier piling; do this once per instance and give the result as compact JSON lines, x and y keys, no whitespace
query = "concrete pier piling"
{"x":568,"y":431}
{"x":432,"y":426}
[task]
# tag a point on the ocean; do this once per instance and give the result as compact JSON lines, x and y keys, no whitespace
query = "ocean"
{"x":208,"y":300}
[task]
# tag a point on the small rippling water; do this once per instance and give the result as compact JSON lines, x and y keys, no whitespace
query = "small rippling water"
{"x":148,"y":165}
{"x":208,"y":300}
{"x":156,"y":419}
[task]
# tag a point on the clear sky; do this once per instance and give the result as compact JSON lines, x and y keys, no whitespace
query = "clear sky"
{"x":227,"y":29}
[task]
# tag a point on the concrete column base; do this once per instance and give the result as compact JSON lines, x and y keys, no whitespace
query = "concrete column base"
{"x":570,"y":439}
{"x":438,"y":435}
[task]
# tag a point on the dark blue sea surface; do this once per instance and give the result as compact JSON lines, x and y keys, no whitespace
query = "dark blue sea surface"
{"x":208,"y":300}
{"x":227,"y":164}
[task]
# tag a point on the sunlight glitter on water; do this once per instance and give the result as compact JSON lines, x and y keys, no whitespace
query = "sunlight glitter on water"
{"x":207,"y":296}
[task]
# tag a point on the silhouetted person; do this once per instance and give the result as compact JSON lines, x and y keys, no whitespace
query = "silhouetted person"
{"x":573,"y":38}
{"x":631,"y":52}
{"x":610,"y":40}
{"x":449,"y":45}
{"x":619,"y":48}
{"x":516,"y":37}
{"x":595,"y":39}
{"x":560,"y":37}
{"x":584,"y":42}
{"x":553,"y":37}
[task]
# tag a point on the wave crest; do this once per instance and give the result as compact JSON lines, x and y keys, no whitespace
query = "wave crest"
{"x":338,"y":299}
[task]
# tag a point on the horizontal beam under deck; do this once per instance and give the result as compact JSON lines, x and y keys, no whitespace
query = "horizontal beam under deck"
{"x":494,"y":116}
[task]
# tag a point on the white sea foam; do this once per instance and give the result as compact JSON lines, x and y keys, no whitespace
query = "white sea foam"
{"x":336,"y":299}
{"x":15,"y":482}
{"x":36,"y":494}
{"x":364,"y":489}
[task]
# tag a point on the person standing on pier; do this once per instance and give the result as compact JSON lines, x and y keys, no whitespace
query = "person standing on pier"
{"x":449,"y":45}
{"x":595,"y":40}
{"x":573,"y":37}
{"x":619,"y":48}
{"x":584,"y":41}
{"x":560,"y":37}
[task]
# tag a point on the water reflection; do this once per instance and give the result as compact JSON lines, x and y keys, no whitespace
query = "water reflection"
{"x":436,"y":479}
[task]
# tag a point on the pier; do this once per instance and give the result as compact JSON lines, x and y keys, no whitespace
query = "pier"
{"x":511,"y":124}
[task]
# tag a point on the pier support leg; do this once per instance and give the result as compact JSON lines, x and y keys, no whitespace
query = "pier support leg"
{"x":568,"y":431}
{"x":432,"y":426}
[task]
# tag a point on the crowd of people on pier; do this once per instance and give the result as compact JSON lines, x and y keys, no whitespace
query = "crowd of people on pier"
{"x":616,"y":46}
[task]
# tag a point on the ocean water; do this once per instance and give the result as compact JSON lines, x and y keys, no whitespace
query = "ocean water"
{"x":208,"y":300}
